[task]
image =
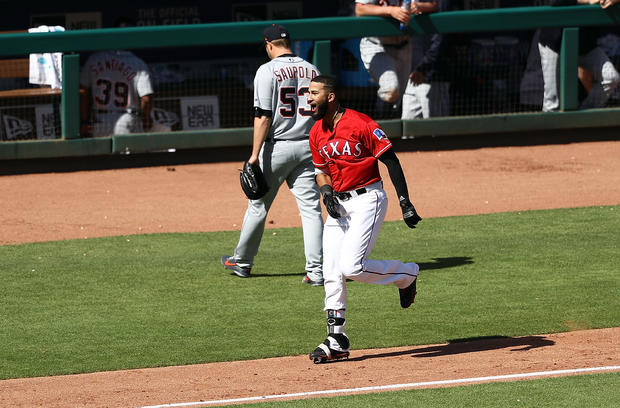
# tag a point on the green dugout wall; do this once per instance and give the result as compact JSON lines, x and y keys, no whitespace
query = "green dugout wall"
{"x":71,"y":43}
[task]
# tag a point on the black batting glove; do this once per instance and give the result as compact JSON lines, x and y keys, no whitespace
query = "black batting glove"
{"x":410,"y":215}
{"x":331,"y":204}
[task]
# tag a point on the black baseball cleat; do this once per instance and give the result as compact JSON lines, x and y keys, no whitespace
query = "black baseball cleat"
{"x":230,"y":264}
{"x":324,"y":353}
{"x":407,"y":295}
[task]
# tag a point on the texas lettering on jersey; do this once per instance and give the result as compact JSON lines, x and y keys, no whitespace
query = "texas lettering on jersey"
{"x":340,"y":148}
{"x":293,"y":72}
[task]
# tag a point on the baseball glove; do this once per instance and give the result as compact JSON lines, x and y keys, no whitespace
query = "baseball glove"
{"x":253,"y":181}
{"x":331,"y":204}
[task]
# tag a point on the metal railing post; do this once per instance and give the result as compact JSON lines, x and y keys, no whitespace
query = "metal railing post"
{"x":70,"y":101}
{"x":322,"y":56}
{"x":569,"y":56}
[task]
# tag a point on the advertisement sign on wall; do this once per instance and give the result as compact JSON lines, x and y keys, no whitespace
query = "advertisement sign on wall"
{"x":29,"y":122}
{"x":186,"y":113}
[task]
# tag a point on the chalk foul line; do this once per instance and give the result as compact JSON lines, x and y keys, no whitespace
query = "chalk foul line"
{"x":388,"y":387}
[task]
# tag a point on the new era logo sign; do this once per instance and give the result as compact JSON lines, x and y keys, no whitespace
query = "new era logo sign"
{"x":15,"y":127}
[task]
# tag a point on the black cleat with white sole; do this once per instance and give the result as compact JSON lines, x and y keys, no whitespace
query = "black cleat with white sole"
{"x":324,"y":353}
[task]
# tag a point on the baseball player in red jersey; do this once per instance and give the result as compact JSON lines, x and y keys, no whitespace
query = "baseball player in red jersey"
{"x":346,"y":146}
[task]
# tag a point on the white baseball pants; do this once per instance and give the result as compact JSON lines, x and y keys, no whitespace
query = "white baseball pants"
{"x":348,"y":241}
{"x":426,"y":100}
{"x":116,"y":123}
{"x":389,"y":66}
{"x":549,"y":61}
{"x":605,"y":77}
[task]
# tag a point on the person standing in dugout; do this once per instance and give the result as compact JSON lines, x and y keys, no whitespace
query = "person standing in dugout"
{"x":282,"y":121}
{"x":387,"y":59}
{"x":346,"y":146}
{"x":119,"y":93}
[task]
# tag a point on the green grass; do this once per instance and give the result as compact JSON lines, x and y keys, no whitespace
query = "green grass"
{"x":155,"y":300}
{"x":591,"y":391}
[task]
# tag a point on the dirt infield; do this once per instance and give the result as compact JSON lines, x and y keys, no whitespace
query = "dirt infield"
{"x":276,"y":376}
{"x":207,"y":197}
{"x":87,"y":204}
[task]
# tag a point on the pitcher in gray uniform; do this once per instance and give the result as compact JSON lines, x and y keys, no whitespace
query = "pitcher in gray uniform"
{"x":282,"y":122}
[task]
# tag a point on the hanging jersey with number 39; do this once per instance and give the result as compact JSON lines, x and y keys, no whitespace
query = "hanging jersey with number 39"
{"x":281,"y":87}
{"x":117,"y":79}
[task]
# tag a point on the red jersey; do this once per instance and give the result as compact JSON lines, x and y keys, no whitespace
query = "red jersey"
{"x":348,"y":154}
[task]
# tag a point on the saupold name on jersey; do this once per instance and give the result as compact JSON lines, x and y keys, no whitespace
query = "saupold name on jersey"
{"x":294,"y":72}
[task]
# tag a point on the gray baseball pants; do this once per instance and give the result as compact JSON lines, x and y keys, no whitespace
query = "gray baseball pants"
{"x":289,"y":161}
{"x":605,"y":77}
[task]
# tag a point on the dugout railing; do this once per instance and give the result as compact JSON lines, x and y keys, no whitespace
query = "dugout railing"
{"x":322,"y":31}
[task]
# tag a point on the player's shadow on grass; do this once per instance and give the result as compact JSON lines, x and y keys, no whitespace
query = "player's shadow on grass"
{"x":441,"y":263}
{"x":471,"y":345}
{"x":274,"y":275}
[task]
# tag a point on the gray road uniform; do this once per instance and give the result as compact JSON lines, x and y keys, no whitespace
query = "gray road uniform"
{"x":281,"y":89}
{"x":387,"y":59}
{"x":117,"y":80}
